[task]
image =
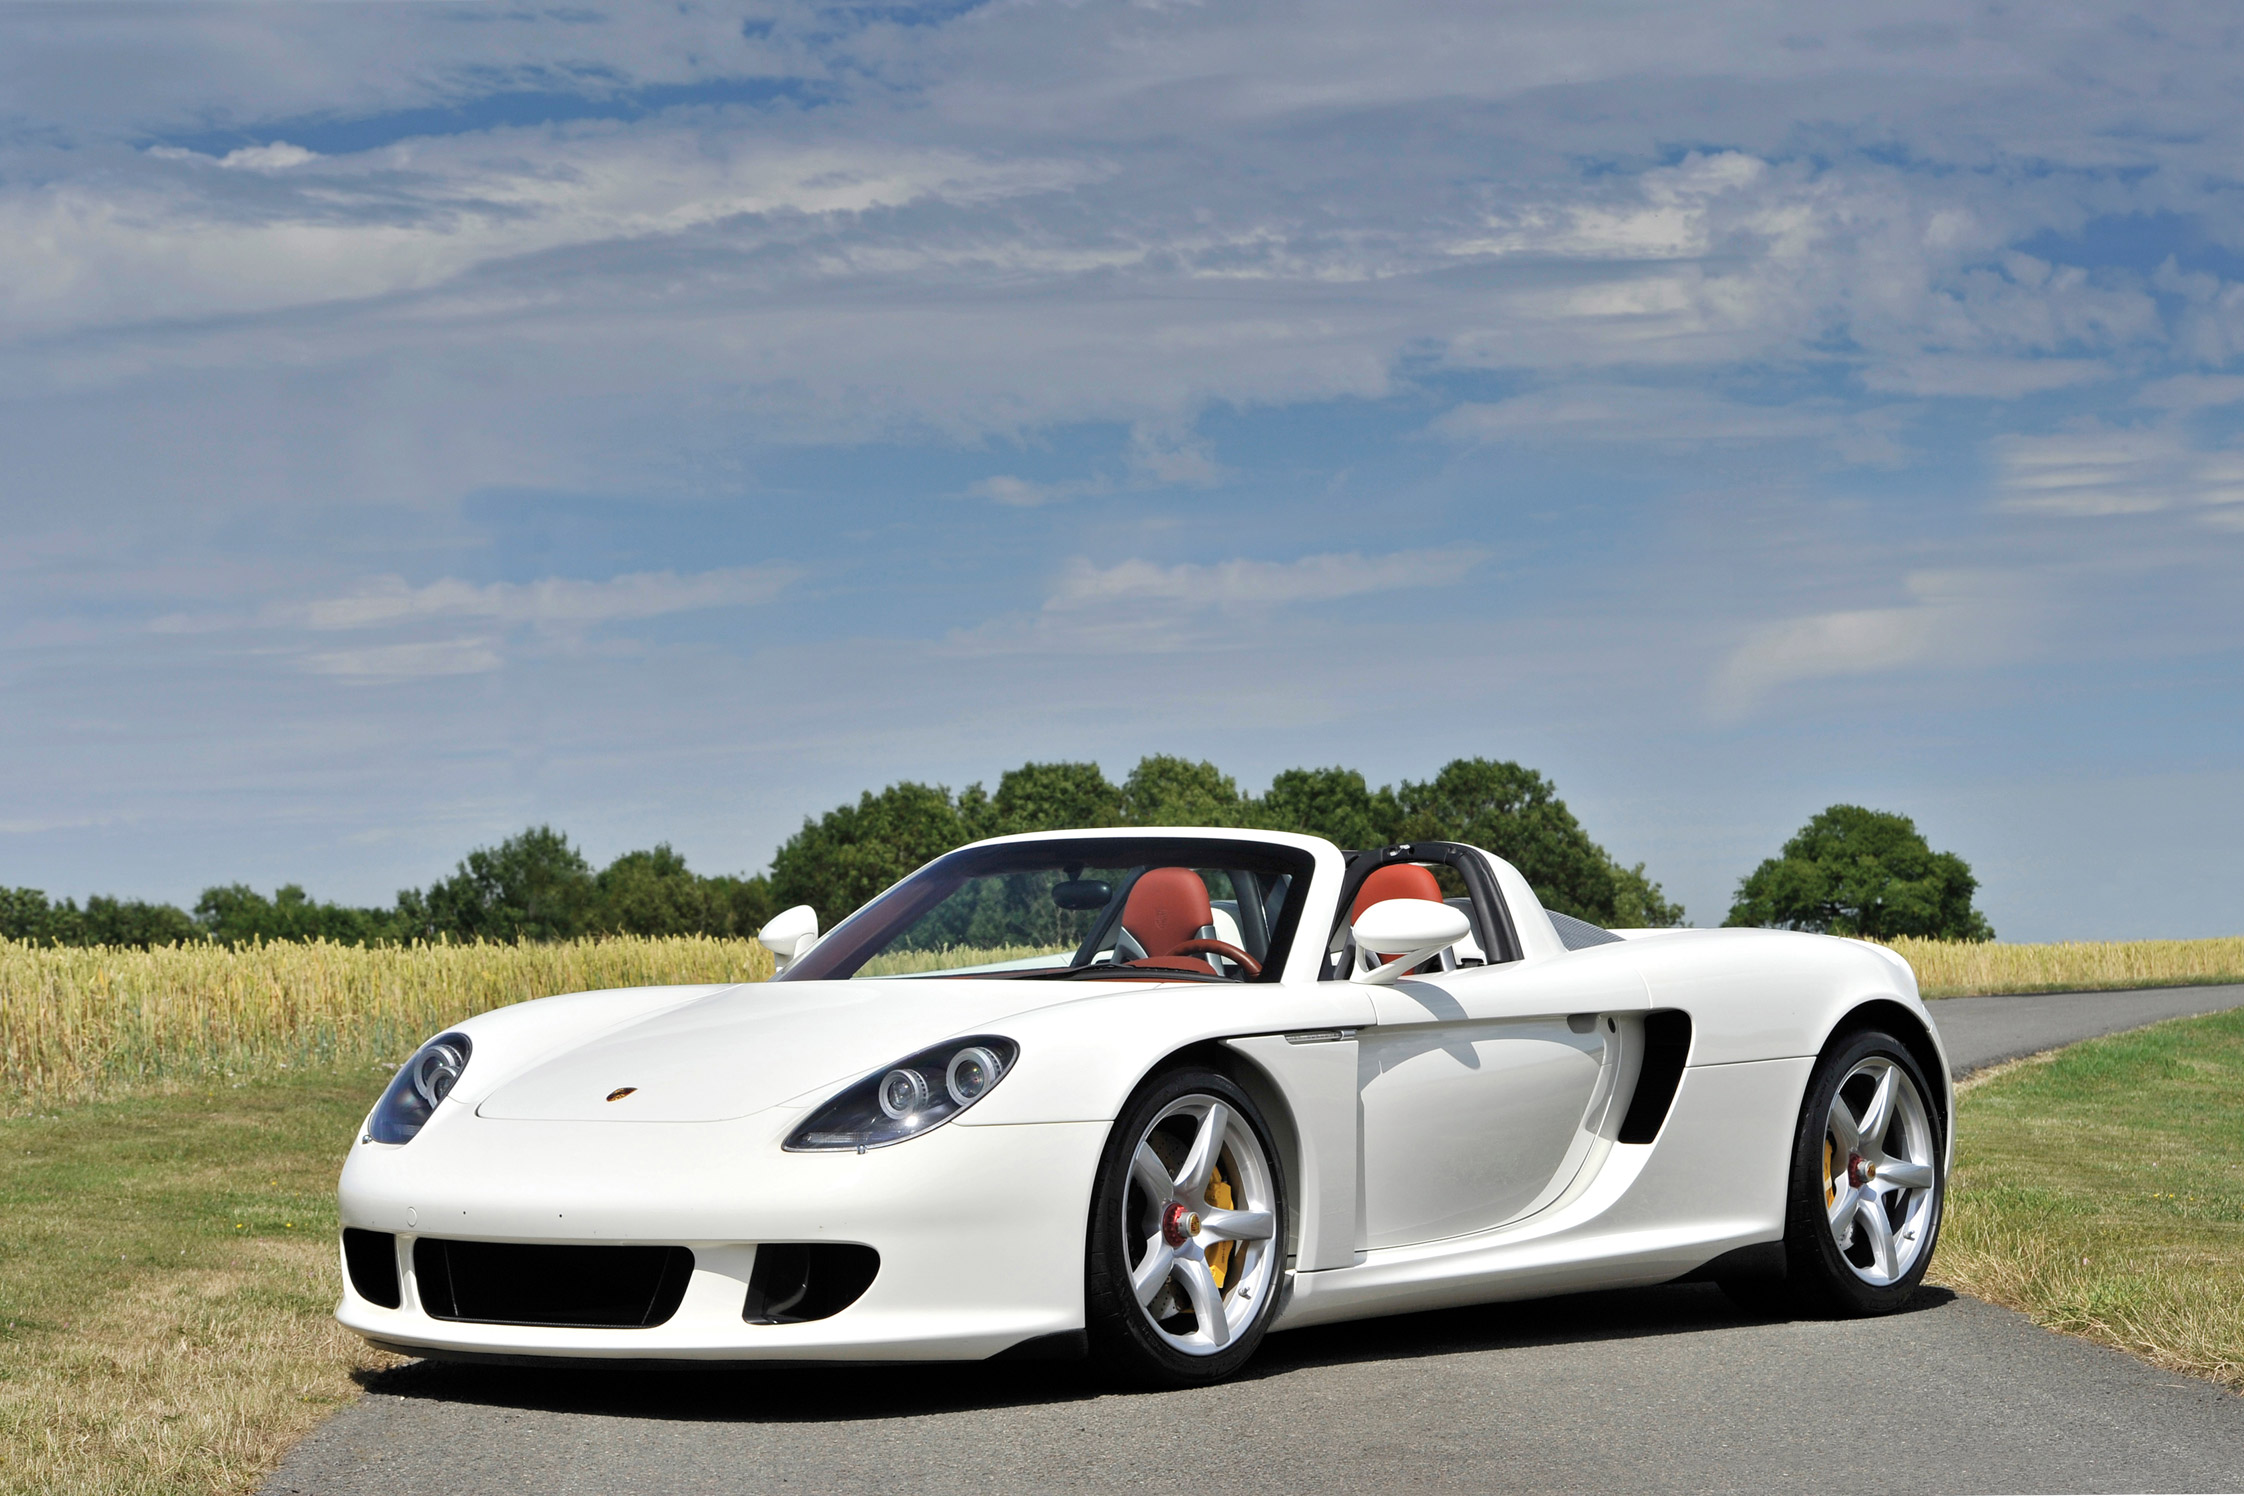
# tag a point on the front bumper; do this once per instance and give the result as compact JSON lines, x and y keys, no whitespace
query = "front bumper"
{"x":980,"y":1231}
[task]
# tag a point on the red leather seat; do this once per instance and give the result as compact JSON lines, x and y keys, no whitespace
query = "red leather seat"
{"x":1397,"y":880}
{"x":1168,"y":906}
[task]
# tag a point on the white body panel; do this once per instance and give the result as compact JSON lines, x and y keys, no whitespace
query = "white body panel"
{"x":1453,"y":1138}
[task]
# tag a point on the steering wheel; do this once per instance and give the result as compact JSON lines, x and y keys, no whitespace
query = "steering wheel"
{"x":1223,"y":948}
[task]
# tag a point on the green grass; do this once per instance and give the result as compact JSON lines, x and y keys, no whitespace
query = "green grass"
{"x":2101,"y":1191}
{"x":167,"y":1281}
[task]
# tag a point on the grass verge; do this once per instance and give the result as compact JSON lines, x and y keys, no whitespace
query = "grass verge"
{"x":167,"y":1281}
{"x":2100,"y":1190}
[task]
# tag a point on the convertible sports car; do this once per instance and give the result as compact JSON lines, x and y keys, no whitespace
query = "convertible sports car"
{"x":1150,"y":1094}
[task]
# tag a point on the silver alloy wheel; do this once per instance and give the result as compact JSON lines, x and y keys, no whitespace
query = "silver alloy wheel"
{"x":1879,"y":1171}
{"x":1212,"y":1260}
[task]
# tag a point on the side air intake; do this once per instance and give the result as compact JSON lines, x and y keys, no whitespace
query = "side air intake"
{"x":797,"y":1281}
{"x":1667,"y":1045}
{"x":371,"y":1257}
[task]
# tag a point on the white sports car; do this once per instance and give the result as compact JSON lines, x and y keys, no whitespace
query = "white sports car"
{"x":1150,"y":1094}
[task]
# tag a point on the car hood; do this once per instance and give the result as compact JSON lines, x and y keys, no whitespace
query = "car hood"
{"x":747,"y":1048}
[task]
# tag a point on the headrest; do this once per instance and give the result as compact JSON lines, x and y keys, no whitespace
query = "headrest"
{"x":1167,"y":905}
{"x":1397,"y":880}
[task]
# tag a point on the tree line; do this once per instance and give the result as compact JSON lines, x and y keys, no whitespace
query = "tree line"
{"x":538,"y":886}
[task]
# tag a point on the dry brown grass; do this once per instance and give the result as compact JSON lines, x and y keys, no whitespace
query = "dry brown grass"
{"x":79,"y":1023}
{"x":191,"y":1381}
{"x":168,"y":1282}
{"x":2100,"y":1190}
{"x":1954,"y":968}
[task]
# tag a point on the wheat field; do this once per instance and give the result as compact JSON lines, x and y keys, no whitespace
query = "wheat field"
{"x":1954,"y":968}
{"x":80,"y":1023}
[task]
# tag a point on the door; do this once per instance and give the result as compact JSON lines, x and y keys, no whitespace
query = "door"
{"x":1482,"y":1089}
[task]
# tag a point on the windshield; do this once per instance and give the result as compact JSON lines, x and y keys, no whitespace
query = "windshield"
{"x":1119,"y":908}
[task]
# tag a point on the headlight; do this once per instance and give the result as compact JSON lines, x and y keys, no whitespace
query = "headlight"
{"x":908,"y":1098}
{"x":419,"y":1085}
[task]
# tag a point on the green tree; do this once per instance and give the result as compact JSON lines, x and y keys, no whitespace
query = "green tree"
{"x":25,"y":914}
{"x":1513,"y":811}
{"x":534,"y":886}
{"x":1047,"y":797}
{"x":852,"y":852}
{"x":1167,"y":791}
{"x":1332,"y":803}
{"x":1852,"y":871}
{"x":235,"y":914}
{"x":651,"y":893}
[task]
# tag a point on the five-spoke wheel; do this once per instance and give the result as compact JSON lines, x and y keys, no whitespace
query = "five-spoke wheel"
{"x":1867,"y":1181}
{"x":1187,"y":1232}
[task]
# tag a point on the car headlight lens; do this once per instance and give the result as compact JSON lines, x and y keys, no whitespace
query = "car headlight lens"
{"x":419,"y":1085}
{"x":912,"y":1096}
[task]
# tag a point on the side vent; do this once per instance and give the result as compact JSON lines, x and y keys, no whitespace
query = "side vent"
{"x":797,"y":1281}
{"x":371,"y":1257}
{"x":1667,"y":1044}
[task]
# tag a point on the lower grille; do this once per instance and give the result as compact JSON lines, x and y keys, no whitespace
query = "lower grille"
{"x":505,"y":1283}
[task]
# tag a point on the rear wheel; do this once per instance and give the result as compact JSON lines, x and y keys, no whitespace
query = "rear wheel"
{"x":1867,"y":1186}
{"x":1187,"y":1237}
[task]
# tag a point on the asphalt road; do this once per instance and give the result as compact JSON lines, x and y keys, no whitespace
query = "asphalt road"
{"x":1654,"y":1389}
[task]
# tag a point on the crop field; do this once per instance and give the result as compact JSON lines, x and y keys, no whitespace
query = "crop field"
{"x":1951,"y":968}
{"x":80,"y":1023}
{"x":86,"y":1022}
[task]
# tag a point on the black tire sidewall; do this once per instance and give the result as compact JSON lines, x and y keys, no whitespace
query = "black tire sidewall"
{"x":1122,"y":1339}
{"x":1818,"y":1276}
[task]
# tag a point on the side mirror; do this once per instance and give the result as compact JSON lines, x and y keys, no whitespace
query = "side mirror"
{"x":1412,"y":929}
{"x":790,"y":935}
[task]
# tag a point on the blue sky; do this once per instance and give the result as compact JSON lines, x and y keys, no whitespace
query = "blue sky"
{"x":666,"y":420}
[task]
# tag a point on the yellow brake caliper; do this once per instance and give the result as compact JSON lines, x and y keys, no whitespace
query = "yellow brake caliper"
{"x":1219,"y":1255}
{"x":1830,"y":1185}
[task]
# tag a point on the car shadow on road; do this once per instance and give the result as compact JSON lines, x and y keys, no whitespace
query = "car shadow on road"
{"x":814,"y":1394}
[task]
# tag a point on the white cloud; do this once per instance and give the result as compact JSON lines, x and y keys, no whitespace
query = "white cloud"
{"x":553,"y":602}
{"x":1662,"y":415}
{"x":278,"y":155}
{"x":386,"y":662}
{"x":1206,"y":608}
{"x":1255,"y":584}
{"x":1957,"y":620}
{"x":1981,"y":377}
{"x":1023,"y":493}
{"x":2100,"y":470}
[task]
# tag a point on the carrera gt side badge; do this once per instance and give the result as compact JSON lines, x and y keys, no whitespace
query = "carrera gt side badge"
{"x":620,"y":1092}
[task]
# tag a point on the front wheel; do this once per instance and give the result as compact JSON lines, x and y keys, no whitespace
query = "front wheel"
{"x":1867,"y":1185}
{"x":1187,"y":1233}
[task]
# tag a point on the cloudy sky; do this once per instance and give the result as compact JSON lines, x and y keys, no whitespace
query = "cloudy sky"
{"x":421,"y":420}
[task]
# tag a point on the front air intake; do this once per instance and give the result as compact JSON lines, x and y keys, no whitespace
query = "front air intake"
{"x":371,"y":1257}
{"x":505,"y":1283}
{"x":797,"y":1281}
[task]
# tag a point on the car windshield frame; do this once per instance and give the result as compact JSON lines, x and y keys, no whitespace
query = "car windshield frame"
{"x":870,"y":931}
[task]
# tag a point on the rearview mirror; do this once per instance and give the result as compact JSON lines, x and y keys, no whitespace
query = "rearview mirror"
{"x":1082,"y":893}
{"x":1399,"y":933}
{"x":790,"y":935}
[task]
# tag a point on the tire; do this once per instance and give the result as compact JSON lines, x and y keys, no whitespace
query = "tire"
{"x":1180,"y":1286}
{"x":1863,"y":1207}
